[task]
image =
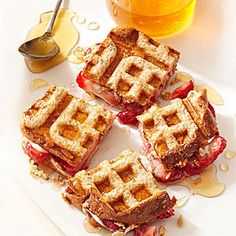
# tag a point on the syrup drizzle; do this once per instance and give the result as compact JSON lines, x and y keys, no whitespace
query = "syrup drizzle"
{"x":183,"y":76}
{"x":224,"y":166}
{"x":230,"y":154}
{"x":36,"y":84}
{"x":208,"y":186}
{"x":64,"y":34}
{"x":183,"y":200}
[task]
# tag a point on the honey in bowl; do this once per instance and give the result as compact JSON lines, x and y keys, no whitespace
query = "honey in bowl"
{"x":64,"y":34}
{"x":157,"y":18}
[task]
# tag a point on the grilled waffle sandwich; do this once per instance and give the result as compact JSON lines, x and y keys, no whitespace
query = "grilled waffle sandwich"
{"x":128,"y":67}
{"x":174,"y":134}
{"x":120,"y":194}
{"x":64,"y":131}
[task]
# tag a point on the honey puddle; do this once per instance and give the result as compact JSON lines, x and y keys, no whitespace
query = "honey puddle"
{"x":207,"y":186}
{"x":230,"y":154}
{"x":36,"y":84}
{"x":64,"y":34}
{"x":90,"y":228}
{"x":213,"y":96}
{"x":183,"y":76}
{"x":183,"y":200}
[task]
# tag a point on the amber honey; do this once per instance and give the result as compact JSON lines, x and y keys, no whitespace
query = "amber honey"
{"x":157,"y":18}
{"x":64,"y":34}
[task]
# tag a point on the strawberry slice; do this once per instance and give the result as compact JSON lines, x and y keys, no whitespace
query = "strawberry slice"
{"x":129,"y":113}
{"x":195,"y":165}
{"x":212,"y":109}
{"x":88,"y":51}
{"x":182,"y":91}
{"x":69,"y":190}
{"x":145,"y":230}
{"x":111,"y":226}
{"x":164,"y":175}
{"x":97,"y":89}
{"x":35,"y":154}
{"x":127,"y":117}
{"x":204,"y":158}
{"x":167,"y":214}
{"x":134,"y":107}
{"x":71,"y":170}
{"x":81,"y":79}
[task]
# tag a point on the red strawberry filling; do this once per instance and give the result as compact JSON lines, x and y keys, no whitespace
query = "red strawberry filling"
{"x":71,"y":170}
{"x":129,"y":113}
{"x":100,"y":91}
{"x":127,"y":118}
{"x":167,"y":214}
{"x":195,"y":165}
{"x":205,"y":156}
{"x":111,"y":226}
{"x":35,"y":154}
{"x":182,"y":91}
{"x":145,"y":230}
{"x":69,"y":190}
{"x":39,"y":157}
{"x":211,"y":108}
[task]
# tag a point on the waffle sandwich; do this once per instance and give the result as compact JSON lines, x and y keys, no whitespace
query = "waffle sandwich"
{"x":128,"y":67}
{"x":120,"y":194}
{"x":63,"y":132}
{"x":181,"y":138}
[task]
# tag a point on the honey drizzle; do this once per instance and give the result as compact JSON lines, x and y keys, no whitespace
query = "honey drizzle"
{"x":224,"y":166}
{"x":183,"y":200}
{"x":64,"y":34}
{"x":230,"y":154}
{"x":183,"y":76}
{"x":36,"y":84}
{"x":208,"y":186}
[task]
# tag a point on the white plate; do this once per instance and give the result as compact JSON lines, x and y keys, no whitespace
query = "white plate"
{"x":203,"y":216}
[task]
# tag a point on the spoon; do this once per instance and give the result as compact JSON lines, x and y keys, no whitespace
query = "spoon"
{"x":43,"y":47}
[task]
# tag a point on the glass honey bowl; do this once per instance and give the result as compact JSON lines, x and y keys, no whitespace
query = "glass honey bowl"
{"x":157,"y":18}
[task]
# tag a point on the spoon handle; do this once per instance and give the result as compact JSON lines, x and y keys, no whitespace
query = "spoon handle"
{"x":53,"y":17}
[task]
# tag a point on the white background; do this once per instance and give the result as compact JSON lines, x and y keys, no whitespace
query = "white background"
{"x":207,"y":48}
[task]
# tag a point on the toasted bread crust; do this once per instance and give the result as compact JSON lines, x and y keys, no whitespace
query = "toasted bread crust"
{"x":55,"y":134}
{"x":146,"y":212}
{"x":92,"y":191}
{"x":132,"y":65}
{"x":190,"y":117}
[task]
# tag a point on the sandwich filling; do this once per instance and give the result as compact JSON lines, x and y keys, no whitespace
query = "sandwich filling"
{"x":128,"y":67}
{"x":181,"y":139}
{"x":63,"y":131}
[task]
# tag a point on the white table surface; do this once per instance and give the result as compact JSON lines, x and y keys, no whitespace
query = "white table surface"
{"x":207,"y":47}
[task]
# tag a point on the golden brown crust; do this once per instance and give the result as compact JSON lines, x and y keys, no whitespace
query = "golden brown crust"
{"x":145,"y":212}
{"x":71,"y":130}
{"x":132,"y":65}
{"x":197,"y":105}
{"x":175,"y":132}
{"x":120,"y":190}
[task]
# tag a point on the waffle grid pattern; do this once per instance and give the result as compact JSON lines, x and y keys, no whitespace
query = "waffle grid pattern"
{"x":121,"y":190}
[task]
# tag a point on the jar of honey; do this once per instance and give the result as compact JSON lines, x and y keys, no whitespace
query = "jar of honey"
{"x":157,"y":18}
